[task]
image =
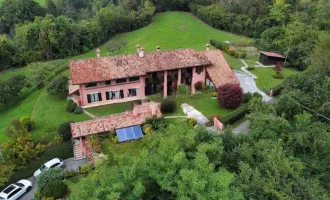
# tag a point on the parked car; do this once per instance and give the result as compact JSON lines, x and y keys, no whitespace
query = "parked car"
{"x":56,"y":162}
{"x":16,"y":190}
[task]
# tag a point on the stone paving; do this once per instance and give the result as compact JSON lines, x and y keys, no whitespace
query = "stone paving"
{"x":192,"y":112}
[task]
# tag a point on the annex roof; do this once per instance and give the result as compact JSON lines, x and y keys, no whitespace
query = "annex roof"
{"x":115,"y":67}
{"x":116,"y":121}
{"x":220,"y":71}
{"x":272,"y":54}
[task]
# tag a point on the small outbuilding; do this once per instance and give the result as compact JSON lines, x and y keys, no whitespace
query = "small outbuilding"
{"x":270,"y":58}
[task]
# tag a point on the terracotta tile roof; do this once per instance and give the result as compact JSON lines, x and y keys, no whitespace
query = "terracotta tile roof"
{"x":272,"y":54}
{"x":114,"y":67}
{"x":72,"y":88}
{"x":116,"y":121}
{"x":220,"y":72}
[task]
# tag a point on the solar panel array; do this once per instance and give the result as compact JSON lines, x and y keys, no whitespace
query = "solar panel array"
{"x":130,"y":133}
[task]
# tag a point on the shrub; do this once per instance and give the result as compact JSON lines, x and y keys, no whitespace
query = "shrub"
{"x":96,"y":143}
{"x":231,"y":52}
{"x":85,"y":169}
{"x":235,"y":115}
{"x":46,"y":177}
{"x":71,"y":106}
{"x":247,"y":97}
{"x":54,"y":189}
{"x":325,"y":108}
{"x":278,"y":75}
{"x":243,"y":55}
{"x":191,"y":121}
{"x":64,"y":130}
{"x":250,"y":67}
{"x":182,"y":90}
{"x":28,"y":123}
{"x":219,"y":45}
{"x":115,"y":140}
{"x":167,"y":105}
{"x":78,"y":110}
{"x":230,"y":95}
{"x":199,"y":85}
{"x":70,"y":173}
{"x":58,"y":87}
{"x":236,"y":54}
{"x":214,"y":94}
{"x":256,"y":94}
{"x":147,"y":128}
{"x":277,"y":90}
{"x":157,"y":123}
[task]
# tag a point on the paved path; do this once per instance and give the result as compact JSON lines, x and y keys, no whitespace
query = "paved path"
{"x":70,"y":164}
{"x":89,"y":114}
{"x":192,"y":112}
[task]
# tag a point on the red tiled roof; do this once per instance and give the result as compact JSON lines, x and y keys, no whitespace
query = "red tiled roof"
{"x":114,"y":67}
{"x":116,"y":121}
{"x":220,"y":72}
{"x":272,"y":54}
{"x":72,"y":88}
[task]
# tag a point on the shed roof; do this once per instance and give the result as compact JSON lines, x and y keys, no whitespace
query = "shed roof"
{"x":220,"y":72}
{"x":115,"y":67}
{"x":272,"y":54}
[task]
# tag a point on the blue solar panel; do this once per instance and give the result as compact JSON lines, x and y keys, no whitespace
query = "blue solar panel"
{"x":129,"y":133}
{"x":137,"y":132}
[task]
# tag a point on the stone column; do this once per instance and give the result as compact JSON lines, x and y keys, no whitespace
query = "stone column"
{"x":165,"y":84}
{"x":193,"y":90}
{"x":179,"y":77}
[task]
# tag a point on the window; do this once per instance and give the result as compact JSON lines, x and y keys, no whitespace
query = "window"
{"x":132,"y":92}
{"x":93,"y":84}
{"x":121,"y":80}
{"x":111,"y":95}
{"x":55,"y":165}
{"x":14,"y":192}
{"x":96,"y":97}
{"x":108,"y":82}
{"x":135,"y":78}
{"x":199,"y":69}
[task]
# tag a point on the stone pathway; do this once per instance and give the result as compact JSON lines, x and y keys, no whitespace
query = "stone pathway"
{"x":192,"y":112}
{"x":89,"y":114}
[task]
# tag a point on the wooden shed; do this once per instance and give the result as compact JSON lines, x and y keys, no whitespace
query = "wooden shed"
{"x":270,"y":58}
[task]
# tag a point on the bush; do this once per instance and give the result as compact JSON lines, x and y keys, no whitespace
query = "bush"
{"x":182,"y":90}
{"x":46,"y":177}
{"x":28,"y":123}
{"x":235,"y":115}
{"x":71,"y":106}
{"x":191,"y":121}
{"x":96,"y":143}
{"x":58,"y":87}
{"x":214,"y":94}
{"x":85,"y":169}
{"x":157,"y":123}
{"x":219,"y":45}
{"x":277,"y":90}
{"x":70,"y":173}
{"x":147,"y":128}
{"x":278,"y":75}
{"x":256,"y":94}
{"x":64,"y":130}
{"x":167,"y":105}
{"x":250,"y":67}
{"x":230,"y":95}
{"x":78,"y":110}
{"x":54,"y":189}
{"x":115,"y":140}
{"x":231,"y":52}
{"x":243,"y":55}
{"x":236,"y":54}
{"x":199,"y":85}
{"x":247,"y":97}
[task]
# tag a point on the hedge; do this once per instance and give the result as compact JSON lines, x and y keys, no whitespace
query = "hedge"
{"x":277,"y":90}
{"x":236,"y":115}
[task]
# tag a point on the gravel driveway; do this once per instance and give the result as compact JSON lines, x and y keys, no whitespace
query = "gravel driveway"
{"x":70,"y":164}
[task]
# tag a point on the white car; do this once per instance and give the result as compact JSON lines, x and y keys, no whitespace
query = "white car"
{"x":16,"y":190}
{"x":56,"y":162}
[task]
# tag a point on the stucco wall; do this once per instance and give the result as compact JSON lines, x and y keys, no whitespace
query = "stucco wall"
{"x":198,"y":77}
{"x":101,"y":87}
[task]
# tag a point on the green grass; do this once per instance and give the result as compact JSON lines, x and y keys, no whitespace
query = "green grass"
{"x":250,"y":62}
{"x":110,"y":109}
{"x":170,"y":30}
{"x":41,"y":2}
{"x":265,"y":79}
{"x":132,"y":148}
{"x":233,"y":62}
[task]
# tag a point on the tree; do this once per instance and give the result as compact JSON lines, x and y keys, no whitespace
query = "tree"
{"x":6,"y":52}
{"x":6,"y":171}
{"x":114,"y":45}
{"x":230,"y":95}
{"x":280,"y":11}
{"x":58,"y":87}
{"x":11,"y":89}
{"x":64,"y":130}
{"x":320,"y":60}
{"x":50,"y":183}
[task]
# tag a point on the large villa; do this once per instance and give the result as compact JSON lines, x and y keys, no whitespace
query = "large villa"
{"x":114,"y":79}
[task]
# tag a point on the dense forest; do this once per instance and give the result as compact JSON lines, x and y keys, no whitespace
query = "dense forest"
{"x":70,"y":27}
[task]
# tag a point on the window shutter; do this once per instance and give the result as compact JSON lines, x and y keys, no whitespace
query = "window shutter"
{"x":100,"y":96}
{"x":107,"y":96}
{"x":121,"y":94}
{"x":89,"y":98}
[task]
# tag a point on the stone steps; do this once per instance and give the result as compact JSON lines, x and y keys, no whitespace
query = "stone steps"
{"x":78,"y":150}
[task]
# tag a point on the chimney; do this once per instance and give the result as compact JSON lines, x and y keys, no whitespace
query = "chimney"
{"x":158,"y":48}
{"x":98,"y":53}
{"x":141,"y":54}
{"x":138,"y":49}
{"x":207,"y":47}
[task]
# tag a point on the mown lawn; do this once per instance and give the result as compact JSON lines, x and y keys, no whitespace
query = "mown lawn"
{"x":110,"y":109}
{"x":265,"y":79}
{"x":132,"y":148}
